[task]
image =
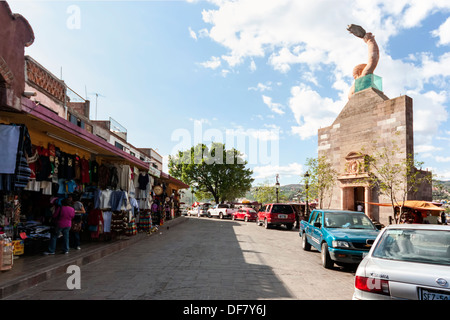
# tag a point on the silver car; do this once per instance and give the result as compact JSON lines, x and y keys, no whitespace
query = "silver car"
{"x":407,"y":261}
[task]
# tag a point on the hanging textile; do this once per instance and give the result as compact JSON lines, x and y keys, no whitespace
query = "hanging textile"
{"x":19,"y":179}
{"x":9,"y":140}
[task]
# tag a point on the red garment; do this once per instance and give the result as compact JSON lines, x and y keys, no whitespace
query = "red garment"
{"x":85,"y":178}
{"x":95,"y":218}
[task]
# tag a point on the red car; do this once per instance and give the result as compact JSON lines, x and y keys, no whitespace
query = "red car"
{"x":246,"y":214}
{"x":274,"y":214}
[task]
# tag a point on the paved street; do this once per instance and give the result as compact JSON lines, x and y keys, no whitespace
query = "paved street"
{"x":206,"y":259}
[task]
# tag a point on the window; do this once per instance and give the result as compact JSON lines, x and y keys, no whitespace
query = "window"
{"x":118,"y":145}
{"x":348,"y":220}
{"x":282,"y":208}
{"x":318,"y":218}
{"x":423,"y":246}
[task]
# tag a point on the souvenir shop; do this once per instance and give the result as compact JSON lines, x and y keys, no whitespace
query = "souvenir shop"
{"x":37,"y":171}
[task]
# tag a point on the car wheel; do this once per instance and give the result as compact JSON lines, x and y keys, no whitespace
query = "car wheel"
{"x":289,"y":226}
{"x":326,"y":259}
{"x":305,"y":244}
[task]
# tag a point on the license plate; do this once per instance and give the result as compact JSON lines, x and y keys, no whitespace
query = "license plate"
{"x":434,"y":295}
{"x":282,"y":216}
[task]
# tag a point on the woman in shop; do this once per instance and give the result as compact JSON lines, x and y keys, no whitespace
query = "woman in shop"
{"x":63,"y":216}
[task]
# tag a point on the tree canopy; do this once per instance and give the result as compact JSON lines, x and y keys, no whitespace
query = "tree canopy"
{"x":213,"y":171}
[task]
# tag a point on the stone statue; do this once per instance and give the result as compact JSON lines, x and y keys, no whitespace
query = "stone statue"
{"x":362,"y":70}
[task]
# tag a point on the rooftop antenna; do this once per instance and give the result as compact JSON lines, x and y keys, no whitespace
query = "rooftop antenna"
{"x":96,"y":101}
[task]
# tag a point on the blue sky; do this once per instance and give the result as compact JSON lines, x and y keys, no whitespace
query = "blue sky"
{"x":179,"y":72}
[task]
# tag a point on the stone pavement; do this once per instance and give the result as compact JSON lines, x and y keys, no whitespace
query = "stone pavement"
{"x":205,"y":259}
{"x":28,"y":271}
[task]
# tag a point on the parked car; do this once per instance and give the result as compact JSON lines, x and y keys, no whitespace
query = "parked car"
{"x":246,"y":214}
{"x":222,"y":210}
{"x":341,"y":236}
{"x":407,"y":261}
{"x":184,"y":211}
{"x":199,"y":210}
{"x":275,"y":214}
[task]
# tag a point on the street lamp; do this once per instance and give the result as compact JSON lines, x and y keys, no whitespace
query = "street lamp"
{"x":307,"y":193}
{"x":277,"y":186}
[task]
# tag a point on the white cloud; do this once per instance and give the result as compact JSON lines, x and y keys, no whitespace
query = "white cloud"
{"x":262,"y":87}
{"x":252,"y":66}
{"x":311,"y":111}
{"x":442,"y":159}
{"x":443,"y":33}
{"x":269,"y":171}
{"x":308,"y":34}
{"x":213,"y":63}
{"x":275,"y":107}
{"x":192,"y":34}
{"x":429,"y":113}
{"x":272,"y":133}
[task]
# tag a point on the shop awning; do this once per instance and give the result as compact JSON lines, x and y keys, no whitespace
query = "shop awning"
{"x":179,"y":184}
{"x":48,"y":126}
{"x":413,"y":204}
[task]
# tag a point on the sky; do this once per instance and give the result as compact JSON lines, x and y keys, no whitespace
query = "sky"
{"x":258,"y":75}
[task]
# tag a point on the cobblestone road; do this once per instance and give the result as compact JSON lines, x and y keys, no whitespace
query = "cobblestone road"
{"x":206,"y":259}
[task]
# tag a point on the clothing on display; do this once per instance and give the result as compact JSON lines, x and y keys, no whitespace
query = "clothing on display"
{"x":34,"y":179}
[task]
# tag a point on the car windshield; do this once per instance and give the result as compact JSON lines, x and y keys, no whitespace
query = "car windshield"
{"x":424,"y":246}
{"x":347,"y":220}
{"x":280,"y":208}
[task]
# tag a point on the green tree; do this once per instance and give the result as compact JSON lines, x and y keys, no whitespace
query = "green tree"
{"x":394,"y":174}
{"x":265,"y":193}
{"x":321,"y":180}
{"x":213,"y":172}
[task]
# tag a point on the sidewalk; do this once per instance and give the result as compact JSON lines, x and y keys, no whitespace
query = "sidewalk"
{"x":28,"y":271}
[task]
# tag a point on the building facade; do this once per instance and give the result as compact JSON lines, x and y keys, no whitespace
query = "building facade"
{"x":369,"y":120}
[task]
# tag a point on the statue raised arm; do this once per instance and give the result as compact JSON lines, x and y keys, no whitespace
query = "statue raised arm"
{"x":374,"y":54}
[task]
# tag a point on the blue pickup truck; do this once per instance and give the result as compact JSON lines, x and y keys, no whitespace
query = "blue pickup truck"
{"x":342,"y":237}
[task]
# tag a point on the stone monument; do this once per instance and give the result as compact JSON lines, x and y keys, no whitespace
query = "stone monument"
{"x":368,"y":116}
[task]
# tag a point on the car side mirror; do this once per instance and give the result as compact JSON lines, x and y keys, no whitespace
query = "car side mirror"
{"x":317,"y":224}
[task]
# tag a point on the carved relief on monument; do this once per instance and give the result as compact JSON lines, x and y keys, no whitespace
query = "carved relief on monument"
{"x":354,"y":165}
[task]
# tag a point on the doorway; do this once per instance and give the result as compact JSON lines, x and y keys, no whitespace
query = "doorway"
{"x":351,"y":196}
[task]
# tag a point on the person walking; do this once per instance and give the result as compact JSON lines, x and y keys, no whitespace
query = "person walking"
{"x":64,"y":216}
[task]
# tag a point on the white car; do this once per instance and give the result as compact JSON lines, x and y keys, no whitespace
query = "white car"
{"x":222,"y":210}
{"x":406,"y":261}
